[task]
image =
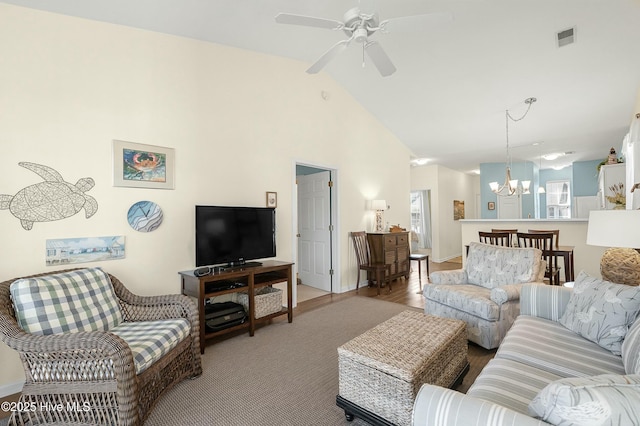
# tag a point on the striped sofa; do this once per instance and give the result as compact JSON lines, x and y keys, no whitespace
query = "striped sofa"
{"x":543,"y":370}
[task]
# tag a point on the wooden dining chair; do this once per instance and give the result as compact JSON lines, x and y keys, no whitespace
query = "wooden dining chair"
{"x":512,"y":235}
{"x":380,"y":271}
{"x":555,"y":232}
{"x":495,"y":238}
{"x":545,"y":241}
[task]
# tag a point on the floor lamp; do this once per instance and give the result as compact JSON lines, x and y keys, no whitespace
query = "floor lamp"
{"x":619,"y":230}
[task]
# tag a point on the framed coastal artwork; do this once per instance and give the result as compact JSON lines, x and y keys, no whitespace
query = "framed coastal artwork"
{"x":82,"y":250}
{"x":458,"y":209}
{"x":143,"y":166}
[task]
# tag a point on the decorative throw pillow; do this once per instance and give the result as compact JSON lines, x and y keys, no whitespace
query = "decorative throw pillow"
{"x":631,"y":349}
{"x":608,"y":399}
{"x":601,"y":311}
{"x":80,"y":300}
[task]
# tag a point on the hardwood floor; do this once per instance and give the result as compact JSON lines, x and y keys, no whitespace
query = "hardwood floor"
{"x":406,"y":292}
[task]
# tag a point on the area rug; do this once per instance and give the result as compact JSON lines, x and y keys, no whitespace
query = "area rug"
{"x":286,"y":374}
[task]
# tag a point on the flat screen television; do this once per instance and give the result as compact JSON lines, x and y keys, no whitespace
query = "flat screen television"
{"x":233,"y":235}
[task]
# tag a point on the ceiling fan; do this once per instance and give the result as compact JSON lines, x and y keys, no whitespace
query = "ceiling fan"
{"x":359,"y":26}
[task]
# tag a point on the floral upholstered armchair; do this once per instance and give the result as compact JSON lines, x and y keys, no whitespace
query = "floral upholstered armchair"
{"x":486,"y":292}
{"x":89,"y":345}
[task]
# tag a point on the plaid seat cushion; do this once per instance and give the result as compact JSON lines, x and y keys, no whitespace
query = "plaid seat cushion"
{"x":150,"y":340}
{"x":81,"y":300}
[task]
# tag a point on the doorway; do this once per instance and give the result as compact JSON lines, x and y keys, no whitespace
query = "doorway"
{"x":509,"y":207}
{"x":315,"y":229}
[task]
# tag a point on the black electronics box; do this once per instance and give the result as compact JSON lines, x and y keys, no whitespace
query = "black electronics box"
{"x":218,"y":316}
{"x":212,"y":287}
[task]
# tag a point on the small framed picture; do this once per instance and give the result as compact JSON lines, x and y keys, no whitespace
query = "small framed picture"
{"x":142,"y":166}
{"x":491,"y":205}
{"x":272,"y":199}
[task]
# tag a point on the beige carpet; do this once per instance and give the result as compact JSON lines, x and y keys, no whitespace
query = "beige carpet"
{"x":286,"y":374}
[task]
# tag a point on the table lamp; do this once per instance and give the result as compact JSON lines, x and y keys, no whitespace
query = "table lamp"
{"x":379,"y":206}
{"x":619,"y":230}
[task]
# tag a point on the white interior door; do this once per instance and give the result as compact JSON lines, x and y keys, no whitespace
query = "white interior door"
{"x":314,"y":235}
{"x":509,"y":207}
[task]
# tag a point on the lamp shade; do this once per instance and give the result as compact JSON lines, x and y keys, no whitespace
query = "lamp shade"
{"x":378,"y":205}
{"x":614,"y":228}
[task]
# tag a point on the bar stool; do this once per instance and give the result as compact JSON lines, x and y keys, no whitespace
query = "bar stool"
{"x":419,"y":257}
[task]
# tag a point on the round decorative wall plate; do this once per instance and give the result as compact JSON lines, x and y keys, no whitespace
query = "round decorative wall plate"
{"x":145,"y":216}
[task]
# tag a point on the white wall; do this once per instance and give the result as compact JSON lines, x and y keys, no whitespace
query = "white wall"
{"x":446,"y":185}
{"x":238,"y":121}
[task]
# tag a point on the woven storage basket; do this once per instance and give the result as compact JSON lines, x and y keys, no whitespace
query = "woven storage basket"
{"x":383,"y":369}
{"x":268,"y":300}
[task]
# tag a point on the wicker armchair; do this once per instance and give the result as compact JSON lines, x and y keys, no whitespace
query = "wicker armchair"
{"x":92,"y":373}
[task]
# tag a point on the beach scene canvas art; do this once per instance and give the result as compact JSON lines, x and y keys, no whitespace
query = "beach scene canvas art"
{"x":83,"y":250}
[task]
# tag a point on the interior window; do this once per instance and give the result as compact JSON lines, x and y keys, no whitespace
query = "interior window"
{"x":558,"y":199}
{"x":420,"y":220}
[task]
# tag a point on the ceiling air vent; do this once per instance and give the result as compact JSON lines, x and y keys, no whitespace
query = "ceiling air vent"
{"x":566,"y":37}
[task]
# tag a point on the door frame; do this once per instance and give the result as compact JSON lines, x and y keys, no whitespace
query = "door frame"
{"x":501,"y":199}
{"x":334,"y":217}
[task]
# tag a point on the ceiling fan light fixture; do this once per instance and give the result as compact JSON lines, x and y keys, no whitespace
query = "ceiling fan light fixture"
{"x":360,"y":35}
{"x":358,"y":26}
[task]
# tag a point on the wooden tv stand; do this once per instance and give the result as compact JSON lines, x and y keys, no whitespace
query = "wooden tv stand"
{"x":271,"y":272}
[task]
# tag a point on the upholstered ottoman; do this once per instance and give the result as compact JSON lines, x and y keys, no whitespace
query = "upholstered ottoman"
{"x":382,"y":370}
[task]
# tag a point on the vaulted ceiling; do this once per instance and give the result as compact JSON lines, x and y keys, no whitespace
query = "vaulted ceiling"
{"x":455,"y":78}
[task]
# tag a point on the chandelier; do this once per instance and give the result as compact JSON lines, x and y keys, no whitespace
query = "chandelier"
{"x":510,"y":186}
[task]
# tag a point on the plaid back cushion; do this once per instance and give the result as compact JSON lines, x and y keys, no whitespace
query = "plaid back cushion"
{"x":81,"y":300}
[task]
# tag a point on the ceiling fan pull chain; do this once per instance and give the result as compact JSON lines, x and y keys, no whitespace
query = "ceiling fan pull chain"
{"x":363,"y":46}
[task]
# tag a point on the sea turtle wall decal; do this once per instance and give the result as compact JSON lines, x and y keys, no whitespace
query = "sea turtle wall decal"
{"x":53,"y":199}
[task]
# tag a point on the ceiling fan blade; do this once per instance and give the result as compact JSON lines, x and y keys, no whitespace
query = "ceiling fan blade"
{"x":415,"y":22}
{"x":308,"y":21}
{"x":380,"y":58}
{"x":335,"y":50}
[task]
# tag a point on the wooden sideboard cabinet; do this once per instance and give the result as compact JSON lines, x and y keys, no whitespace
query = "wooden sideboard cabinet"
{"x":391,"y":248}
